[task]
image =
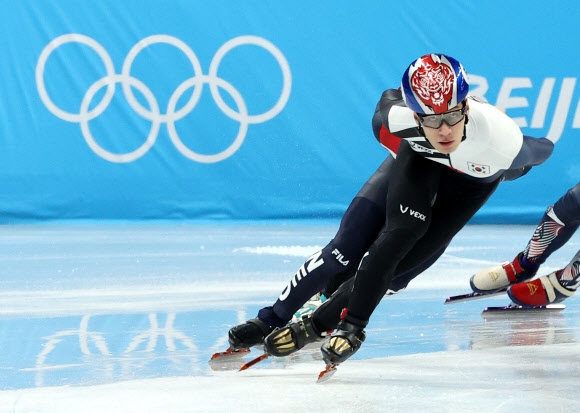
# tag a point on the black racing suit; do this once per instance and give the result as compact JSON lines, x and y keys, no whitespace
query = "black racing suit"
{"x":404,"y":232}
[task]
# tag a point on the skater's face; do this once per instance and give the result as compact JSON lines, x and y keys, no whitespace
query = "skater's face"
{"x":445,"y":130}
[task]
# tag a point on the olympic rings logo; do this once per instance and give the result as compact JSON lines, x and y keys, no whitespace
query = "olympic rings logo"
{"x":172,"y":113}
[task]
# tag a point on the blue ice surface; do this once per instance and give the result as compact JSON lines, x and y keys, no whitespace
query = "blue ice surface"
{"x":91,"y":303}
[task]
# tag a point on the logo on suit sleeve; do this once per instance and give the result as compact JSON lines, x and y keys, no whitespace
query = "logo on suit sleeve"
{"x":478,"y":169}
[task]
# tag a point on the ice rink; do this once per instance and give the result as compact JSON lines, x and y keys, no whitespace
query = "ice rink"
{"x":123,"y":317}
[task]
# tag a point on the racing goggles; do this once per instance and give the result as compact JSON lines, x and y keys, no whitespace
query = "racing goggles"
{"x":435,"y":121}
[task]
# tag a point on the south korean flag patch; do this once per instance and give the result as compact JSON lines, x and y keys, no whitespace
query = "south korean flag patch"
{"x":478,"y":169}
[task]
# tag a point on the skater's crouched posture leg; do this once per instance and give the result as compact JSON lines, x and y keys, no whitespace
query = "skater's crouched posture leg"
{"x":326,"y":317}
{"x":340,"y":258}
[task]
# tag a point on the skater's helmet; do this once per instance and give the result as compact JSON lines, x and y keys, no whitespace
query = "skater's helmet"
{"x":434,"y":83}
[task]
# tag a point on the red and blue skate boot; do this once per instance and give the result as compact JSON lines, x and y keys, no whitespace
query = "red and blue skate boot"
{"x":544,"y":290}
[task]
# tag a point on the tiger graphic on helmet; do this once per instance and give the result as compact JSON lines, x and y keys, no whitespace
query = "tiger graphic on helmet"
{"x":434,"y":83}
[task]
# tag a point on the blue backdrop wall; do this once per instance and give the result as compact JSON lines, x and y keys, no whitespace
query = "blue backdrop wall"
{"x":189,"y":109}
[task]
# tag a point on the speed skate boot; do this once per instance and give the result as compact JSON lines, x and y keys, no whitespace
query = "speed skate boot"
{"x":249,"y":334}
{"x":343,"y":343}
{"x":495,"y":278}
{"x":287,"y":340}
{"x":547,"y":289}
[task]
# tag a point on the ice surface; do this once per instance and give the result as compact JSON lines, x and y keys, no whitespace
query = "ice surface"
{"x":123,"y":318}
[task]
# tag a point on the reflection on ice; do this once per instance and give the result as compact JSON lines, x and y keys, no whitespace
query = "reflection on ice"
{"x":95,"y":327}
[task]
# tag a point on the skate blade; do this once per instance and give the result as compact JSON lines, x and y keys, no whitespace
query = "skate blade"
{"x":229,"y":354}
{"x":227,"y":360}
{"x":327,"y":373}
{"x":473,"y":296}
{"x":254,"y":361}
{"x":517,"y":310}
